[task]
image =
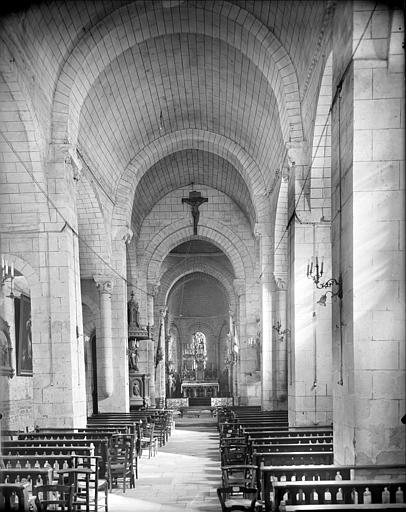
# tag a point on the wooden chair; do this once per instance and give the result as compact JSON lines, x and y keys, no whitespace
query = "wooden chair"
{"x":245,"y":475}
{"x":232,"y":454}
{"x":120,"y":462}
{"x":90,"y":493}
{"x":14,"y":497}
{"x":237,"y":497}
{"x":148,"y":440}
{"x":53,"y":497}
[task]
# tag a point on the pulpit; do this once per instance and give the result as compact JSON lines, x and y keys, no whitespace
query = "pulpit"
{"x":140,"y":360}
{"x":139,"y":390}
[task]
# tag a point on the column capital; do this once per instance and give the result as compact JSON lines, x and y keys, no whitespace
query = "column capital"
{"x":104,"y":283}
{"x":285,"y":173}
{"x":153,"y":288}
{"x":68,"y":154}
{"x":239,"y":286}
{"x":125,"y":234}
{"x":298,"y":153}
{"x":280,"y":282}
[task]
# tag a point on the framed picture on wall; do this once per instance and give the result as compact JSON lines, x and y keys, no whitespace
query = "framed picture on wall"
{"x":23,"y":335}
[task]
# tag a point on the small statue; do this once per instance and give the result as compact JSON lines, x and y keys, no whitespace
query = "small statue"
{"x":133,"y":314}
{"x":133,"y":356}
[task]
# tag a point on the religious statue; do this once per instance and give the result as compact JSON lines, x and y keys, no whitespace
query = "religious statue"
{"x":136,"y":388}
{"x":133,"y":356}
{"x":195,"y":199}
{"x":133,"y":314}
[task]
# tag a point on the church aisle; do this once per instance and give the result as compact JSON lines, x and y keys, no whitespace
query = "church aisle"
{"x":183,"y":476}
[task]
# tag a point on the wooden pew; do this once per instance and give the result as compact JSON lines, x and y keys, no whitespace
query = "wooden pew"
{"x":17,"y":475}
{"x":16,"y":449}
{"x":291,"y":458}
{"x":98,"y":445}
{"x":291,"y":447}
{"x":285,"y":439}
{"x":315,"y":473}
{"x":346,"y":507}
{"x":299,"y":493}
{"x":14,"y":497}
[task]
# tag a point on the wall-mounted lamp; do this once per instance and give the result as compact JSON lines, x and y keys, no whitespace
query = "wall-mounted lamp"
{"x":7,"y":272}
{"x":281,"y":332}
{"x":315,"y":272}
{"x":252,"y":341}
{"x":323,"y":299}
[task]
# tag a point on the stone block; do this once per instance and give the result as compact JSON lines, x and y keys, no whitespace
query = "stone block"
{"x":387,"y":85}
{"x":374,"y":176}
{"x":388,"y":384}
{"x":388,"y":144}
{"x":362,"y":145}
{"x":376,"y":114}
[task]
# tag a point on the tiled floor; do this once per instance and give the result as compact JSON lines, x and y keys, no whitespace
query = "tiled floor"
{"x":183,"y":476}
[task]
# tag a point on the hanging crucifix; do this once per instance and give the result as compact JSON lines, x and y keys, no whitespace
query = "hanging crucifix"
{"x":195,"y":199}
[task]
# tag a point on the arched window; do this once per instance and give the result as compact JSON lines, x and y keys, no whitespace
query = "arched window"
{"x":200,"y":350}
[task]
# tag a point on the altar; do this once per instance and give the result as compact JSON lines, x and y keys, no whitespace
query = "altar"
{"x":196,"y":389}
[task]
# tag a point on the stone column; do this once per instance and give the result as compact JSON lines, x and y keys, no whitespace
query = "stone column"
{"x":160,"y":373}
{"x":266,"y":278}
{"x":240,"y":327}
{"x":309,"y":345}
{"x":105,"y":374}
{"x":59,"y":388}
{"x":280,"y":344}
{"x":368,"y":247}
{"x":152,"y":291}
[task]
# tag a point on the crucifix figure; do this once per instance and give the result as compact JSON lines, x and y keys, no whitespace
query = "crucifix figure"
{"x":195,"y":199}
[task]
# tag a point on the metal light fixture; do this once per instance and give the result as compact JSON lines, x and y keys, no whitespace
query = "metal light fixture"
{"x":281,"y":332}
{"x":7,"y":272}
{"x":323,"y":299}
{"x":315,"y":272}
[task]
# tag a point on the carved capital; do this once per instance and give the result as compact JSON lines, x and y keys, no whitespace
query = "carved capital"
{"x":298,"y":153}
{"x":125,"y":233}
{"x":239,"y":286}
{"x":70,"y":157}
{"x":153,"y":288}
{"x":285,"y":174}
{"x":280,"y":283}
{"x":258,"y":230}
{"x":104,"y":284}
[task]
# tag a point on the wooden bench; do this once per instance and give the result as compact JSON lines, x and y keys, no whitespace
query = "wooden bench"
{"x":347,"y":507}
{"x":270,"y":475}
{"x":17,"y":475}
{"x":67,"y":451}
{"x":291,"y":447}
{"x":300,"y":493}
{"x":99,"y":446}
{"x":290,"y":458}
{"x":14,"y":497}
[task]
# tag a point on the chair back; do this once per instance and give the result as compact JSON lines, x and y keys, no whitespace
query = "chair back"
{"x":53,"y":497}
{"x":245,"y":475}
{"x":237,"y":497}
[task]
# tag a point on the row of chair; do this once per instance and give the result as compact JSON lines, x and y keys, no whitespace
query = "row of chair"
{"x":277,"y":479}
{"x":89,"y":461}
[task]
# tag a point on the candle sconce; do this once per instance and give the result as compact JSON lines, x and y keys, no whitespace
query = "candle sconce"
{"x":315,"y":272}
{"x":281,"y":332}
{"x":7,"y":272}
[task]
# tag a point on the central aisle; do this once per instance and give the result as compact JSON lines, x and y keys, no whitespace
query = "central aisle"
{"x":183,"y":476}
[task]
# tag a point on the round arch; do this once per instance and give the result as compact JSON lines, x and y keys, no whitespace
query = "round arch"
{"x":106,"y":43}
{"x":171,"y":277}
{"x":188,"y":139}
{"x":171,"y":236}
